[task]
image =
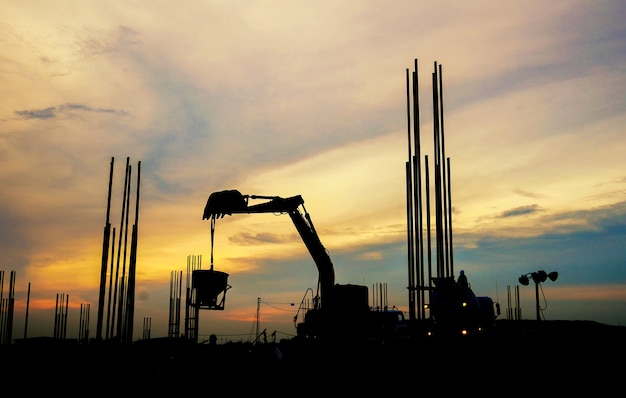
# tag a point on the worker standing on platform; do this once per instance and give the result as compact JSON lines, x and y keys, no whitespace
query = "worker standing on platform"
{"x":462,"y":281}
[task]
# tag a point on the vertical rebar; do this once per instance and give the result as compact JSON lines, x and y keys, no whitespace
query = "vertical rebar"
{"x":130,"y":307}
{"x":417,"y":186}
{"x":108,"y":334}
{"x":409,"y":207}
{"x":122,"y":316}
{"x":444,"y":183}
{"x":428,"y":226}
{"x":451,"y":243}
{"x":67,"y":304}
{"x":119,"y":247}
{"x":410,"y":244}
{"x":1,"y":306}
{"x":26,"y":316}
{"x":105,"y":253}
{"x":437,"y":175}
{"x":56,"y":318}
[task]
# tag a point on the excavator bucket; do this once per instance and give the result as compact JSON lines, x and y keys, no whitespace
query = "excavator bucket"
{"x":224,"y":203}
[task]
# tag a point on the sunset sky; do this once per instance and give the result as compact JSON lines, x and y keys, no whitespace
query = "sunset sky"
{"x":309,"y":98}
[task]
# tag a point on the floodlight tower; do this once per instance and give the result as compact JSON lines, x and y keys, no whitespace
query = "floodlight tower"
{"x":538,"y":277}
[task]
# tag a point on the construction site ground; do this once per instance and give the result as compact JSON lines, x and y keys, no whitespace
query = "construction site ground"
{"x":544,"y":356}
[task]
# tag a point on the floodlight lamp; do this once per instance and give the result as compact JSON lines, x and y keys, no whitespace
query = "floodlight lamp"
{"x":541,"y":276}
{"x":553,"y":275}
{"x":524,"y":280}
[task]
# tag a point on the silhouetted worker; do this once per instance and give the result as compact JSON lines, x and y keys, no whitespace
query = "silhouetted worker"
{"x":462,"y":281}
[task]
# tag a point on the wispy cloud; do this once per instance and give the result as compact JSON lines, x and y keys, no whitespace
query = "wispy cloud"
{"x":64,"y":109}
{"x":47,"y":113}
{"x":520,"y":211}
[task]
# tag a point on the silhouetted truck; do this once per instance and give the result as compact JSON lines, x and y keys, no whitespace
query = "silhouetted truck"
{"x":456,"y":310}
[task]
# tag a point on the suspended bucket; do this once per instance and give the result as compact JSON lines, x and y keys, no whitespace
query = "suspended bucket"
{"x":210,"y":288}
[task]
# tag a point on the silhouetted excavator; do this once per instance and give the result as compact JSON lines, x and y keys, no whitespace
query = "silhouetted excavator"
{"x":338,"y":310}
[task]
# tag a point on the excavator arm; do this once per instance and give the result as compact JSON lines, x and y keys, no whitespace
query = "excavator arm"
{"x":230,"y":202}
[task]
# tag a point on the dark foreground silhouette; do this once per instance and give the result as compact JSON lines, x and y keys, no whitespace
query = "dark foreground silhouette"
{"x":548,"y":356}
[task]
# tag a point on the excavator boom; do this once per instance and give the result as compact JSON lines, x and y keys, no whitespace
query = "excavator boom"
{"x":230,"y":202}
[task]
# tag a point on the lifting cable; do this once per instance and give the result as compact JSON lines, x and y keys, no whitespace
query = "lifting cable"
{"x":212,"y":238}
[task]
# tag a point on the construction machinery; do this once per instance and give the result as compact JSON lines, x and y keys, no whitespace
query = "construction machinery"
{"x":338,"y":311}
{"x":342,"y":311}
{"x":438,"y":303}
{"x":455,"y":310}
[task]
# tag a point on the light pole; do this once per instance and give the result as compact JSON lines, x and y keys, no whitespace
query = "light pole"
{"x":538,"y":277}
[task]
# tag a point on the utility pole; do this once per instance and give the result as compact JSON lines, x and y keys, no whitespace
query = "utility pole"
{"x":258,"y":316}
